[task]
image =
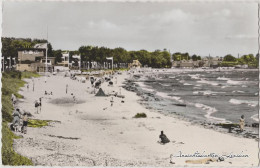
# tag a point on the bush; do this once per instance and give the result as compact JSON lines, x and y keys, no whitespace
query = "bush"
{"x":11,"y":83}
{"x":140,"y":115}
{"x":9,"y":156}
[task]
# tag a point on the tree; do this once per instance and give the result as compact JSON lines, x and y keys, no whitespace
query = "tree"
{"x":58,"y":56}
{"x":229,"y":58}
{"x":194,"y":58}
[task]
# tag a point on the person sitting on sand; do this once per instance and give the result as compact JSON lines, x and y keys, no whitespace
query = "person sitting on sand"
{"x":164,"y":138}
{"x":16,"y":120}
{"x":45,"y":93}
{"x":242,"y":123}
{"x":25,"y":123}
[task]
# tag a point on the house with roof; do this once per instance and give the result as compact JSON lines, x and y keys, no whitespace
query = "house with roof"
{"x":33,"y":59}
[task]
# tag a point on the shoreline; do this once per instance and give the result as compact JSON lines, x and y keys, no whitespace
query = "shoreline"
{"x":149,"y":97}
{"x":133,"y":87}
{"x":101,"y":129}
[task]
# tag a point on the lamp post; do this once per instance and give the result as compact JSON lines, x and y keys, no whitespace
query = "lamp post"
{"x":3,"y":63}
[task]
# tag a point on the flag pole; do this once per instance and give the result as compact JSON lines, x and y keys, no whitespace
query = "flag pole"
{"x":46,"y":66}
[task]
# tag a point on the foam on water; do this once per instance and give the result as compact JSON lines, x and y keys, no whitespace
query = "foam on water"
{"x":235,"y":82}
{"x":196,"y":76}
{"x":207,"y":92}
{"x":165,"y":95}
{"x":187,"y":84}
{"x":249,"y":103}
{"x":165,"y":85}
{"x":238,"y":91}
{"x":222,"y":78}
{"x":145,"y":87}
{"x":210,"y":110}
{"x":208,"y":82}
{"x":255,"y":117}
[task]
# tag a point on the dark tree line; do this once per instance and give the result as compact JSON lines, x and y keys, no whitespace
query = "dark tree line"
{"x":155,"y":59}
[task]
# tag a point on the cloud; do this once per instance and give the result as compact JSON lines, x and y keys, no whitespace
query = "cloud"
{"x":241,"y":36}
{"x":175,"y":15}
{"x":223,"y":12}
{"x":102,"y":24}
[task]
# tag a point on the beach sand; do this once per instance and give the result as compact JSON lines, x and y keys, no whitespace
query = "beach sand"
{"x":94,"y":133}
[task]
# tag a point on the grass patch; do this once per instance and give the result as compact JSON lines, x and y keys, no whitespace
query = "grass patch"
{"x":37,"y":123}
{"x":30,"y":74}
{"x":11,"y":83}
{"x":140,"y":115}
{"x":9,"y":156}
{"x":223,"y":125}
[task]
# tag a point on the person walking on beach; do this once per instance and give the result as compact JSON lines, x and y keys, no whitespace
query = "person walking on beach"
{"x":164,"y":138}
{"x":36,"y":105}
{"x":242,"y":123}
{"x":28,"y":87}
{"x":111,"y":101}
{"x":16,"y":120}
{"x":67,"y":88}
{"x":40,"y":104}
{"x":25,"y":123}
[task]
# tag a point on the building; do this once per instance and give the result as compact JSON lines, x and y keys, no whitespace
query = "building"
{"x":183,"y":64}
{"x":135,"y":64}
{"x":33,"y":59}
{"x":28,"y":56}
{"x":65,"y":60}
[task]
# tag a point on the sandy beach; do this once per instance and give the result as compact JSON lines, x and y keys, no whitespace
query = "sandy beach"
{"x":94,"y":133}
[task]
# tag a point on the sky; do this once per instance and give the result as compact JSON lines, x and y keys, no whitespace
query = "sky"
{"x":202,"y":28}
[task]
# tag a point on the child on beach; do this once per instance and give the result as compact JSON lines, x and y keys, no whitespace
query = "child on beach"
{"x":242,"y":123}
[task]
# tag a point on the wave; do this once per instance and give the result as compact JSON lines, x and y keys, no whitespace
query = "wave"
{"x":207,"y":92}
{"x":222,"y":78}
{"x":249,"y":103}
{"x":165,"y":95}
{"x":208,"y":82}
{"x":145,"y":87}
{"x":165,"y":85}
{"x":171,"y":77}
{"x":235,"y":82}
{"x":210,"y":111}
{"x":255,"y":117}
{"x":238,"y":91}
{"x":196,"y":76}
{"x":187,"y":84}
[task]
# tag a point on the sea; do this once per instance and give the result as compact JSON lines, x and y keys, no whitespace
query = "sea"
{"x":204,"y":96}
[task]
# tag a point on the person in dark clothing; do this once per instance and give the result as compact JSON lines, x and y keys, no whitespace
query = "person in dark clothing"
{"x":40,"y":104}
{"x":164,"y":138}
{"x":25,"y":123}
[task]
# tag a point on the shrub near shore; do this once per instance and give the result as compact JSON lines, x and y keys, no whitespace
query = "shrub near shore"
{"x":11,"y":83}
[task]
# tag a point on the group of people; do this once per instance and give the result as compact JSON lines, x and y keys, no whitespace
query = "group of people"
{"x":16,"y":124}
